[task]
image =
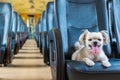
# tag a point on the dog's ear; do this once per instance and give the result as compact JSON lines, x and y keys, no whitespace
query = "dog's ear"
{"x":105,"y":37}
{"x":82,"y":37}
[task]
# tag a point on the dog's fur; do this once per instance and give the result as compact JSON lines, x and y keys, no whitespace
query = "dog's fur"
{"x":89,"y":48}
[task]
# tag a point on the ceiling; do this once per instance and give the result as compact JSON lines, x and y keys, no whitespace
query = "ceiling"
{"x":28,"y":6}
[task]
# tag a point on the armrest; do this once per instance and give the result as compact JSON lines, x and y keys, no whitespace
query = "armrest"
{"x":57,"y":57}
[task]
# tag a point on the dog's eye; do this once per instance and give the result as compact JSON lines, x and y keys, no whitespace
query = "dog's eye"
{"x":99,"y":39}
{"x":89,"y":39}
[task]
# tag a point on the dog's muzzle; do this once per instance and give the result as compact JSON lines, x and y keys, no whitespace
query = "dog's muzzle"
{"x":95,"y":43}
{"x":94,"y":48}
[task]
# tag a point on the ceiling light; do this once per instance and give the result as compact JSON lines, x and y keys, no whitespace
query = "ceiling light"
{"x":31,"y":1}
{"x":31,"y":9}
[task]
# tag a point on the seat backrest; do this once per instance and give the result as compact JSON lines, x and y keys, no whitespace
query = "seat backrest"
{"x":50,"y":16}
{"x":73,"y":16}
{"x":38,"y":26}
{"x":43,"y":26}
{"x":19,"y":23}
{"x":11,"y":22}
{"x":40,"y":22}
{"x":15,"y":21}
{"x":116,"y":26}
{"x":22,"y":25}
{"x":5,"y":22}
{"x":26,"y":28}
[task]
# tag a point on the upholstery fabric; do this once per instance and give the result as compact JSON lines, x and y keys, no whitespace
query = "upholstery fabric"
{"x":5,"y":10}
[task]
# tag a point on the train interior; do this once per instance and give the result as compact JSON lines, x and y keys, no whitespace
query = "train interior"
{"x":59,"y":39}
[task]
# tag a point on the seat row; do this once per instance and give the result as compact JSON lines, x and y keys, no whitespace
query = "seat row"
{"x":13,"y":33}
{"x":67,"y":20}
{"x":43,"y":27}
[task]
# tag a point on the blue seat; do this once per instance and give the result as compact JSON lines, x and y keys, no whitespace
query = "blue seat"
{"x":26,"y":35}
{"x":72,"y":17}
{"x":111,"y":25}
{"x":115,"y":23}
{"x":12,"y":35}
{"x":43,"y":32}
{"x":5,"y":25}
{"x":10,"y":41}
{"x":22,"y":33}
{"x":14,"y":30}
{"x":17,"y":46}
{"x":37,"y":33}
{"x":49,"y":24}
{"x":17,"y":36}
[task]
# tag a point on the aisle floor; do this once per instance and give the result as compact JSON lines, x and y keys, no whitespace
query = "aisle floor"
{"x":27,"y":65}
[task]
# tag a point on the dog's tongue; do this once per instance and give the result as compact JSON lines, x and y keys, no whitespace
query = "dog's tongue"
{"x":95,"y":49}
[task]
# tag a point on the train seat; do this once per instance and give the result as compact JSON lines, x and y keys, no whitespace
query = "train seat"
{"x":73,"y":16}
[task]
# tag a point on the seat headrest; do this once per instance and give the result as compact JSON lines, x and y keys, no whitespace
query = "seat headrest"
{"x":50,"y":6}
{"x":14,"y":28}
{"x":5,"y":7}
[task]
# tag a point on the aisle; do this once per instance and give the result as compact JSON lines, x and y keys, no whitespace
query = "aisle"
{"x":27,"y":65}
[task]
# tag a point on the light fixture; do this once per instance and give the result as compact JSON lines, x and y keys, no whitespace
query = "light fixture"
{"x":31,"y":1}
{"x":32,"y":9}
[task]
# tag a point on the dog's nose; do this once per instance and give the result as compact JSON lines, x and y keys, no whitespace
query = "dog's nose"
{"x":95,"y":43}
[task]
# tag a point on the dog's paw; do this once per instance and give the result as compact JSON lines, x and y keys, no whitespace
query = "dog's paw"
{"x":90,"y":63}
{"x":106,"y":64}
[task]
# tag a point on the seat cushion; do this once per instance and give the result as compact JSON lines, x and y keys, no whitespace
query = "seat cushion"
{"x":77,"y":70}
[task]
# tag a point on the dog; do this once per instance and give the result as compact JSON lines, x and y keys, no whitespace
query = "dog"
{"x":89,"y":48}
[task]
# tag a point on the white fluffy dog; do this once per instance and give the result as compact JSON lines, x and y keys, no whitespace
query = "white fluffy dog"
{"x":90,"y":48}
